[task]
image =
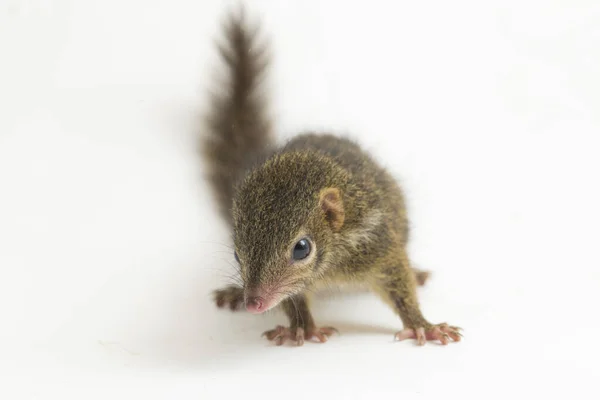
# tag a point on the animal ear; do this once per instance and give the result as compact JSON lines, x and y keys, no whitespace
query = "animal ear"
{"x":333,"y":207}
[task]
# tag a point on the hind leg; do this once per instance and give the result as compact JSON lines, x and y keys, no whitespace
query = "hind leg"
{"x":421,"y":276}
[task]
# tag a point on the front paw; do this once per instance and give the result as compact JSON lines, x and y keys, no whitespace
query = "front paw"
{"x":231,"y":297}
{"x":281,"y":334}
{"x":442,"y":332}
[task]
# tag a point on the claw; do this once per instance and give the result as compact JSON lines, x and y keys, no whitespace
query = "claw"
{"x":329,"y":330}
{"x":442,"y":332}
{"x":280,"y":334}
{"x":452,"y":331}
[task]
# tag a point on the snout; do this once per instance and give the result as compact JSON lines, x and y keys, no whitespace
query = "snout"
{"x":255,"y":304}
{"x":260,"y":300}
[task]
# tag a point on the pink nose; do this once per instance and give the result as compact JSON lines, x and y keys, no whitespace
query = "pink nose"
{"x":255,"y":305}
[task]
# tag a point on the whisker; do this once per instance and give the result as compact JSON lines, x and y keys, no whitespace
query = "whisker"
{"x":217,"y":243}
{"x":222,"y":252}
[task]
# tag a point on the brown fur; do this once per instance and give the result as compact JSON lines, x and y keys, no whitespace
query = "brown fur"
{"x":238,"y":129}
{"x":317,"y":186}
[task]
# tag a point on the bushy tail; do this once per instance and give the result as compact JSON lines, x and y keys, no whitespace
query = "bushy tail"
{"x":238,"y":128}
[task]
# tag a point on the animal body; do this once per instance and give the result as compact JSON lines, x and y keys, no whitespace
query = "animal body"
{"x":315,"y":212}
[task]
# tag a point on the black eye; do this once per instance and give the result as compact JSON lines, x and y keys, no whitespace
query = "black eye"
{"x":301,"y":250}
{"x":236,"y":256}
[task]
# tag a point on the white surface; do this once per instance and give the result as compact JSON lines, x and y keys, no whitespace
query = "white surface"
{"x":110,"y":244}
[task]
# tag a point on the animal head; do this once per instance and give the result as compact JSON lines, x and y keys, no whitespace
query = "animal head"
{"x":286,"y":213}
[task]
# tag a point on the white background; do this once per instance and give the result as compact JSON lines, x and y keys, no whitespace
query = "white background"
{"x":110,"y":244}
